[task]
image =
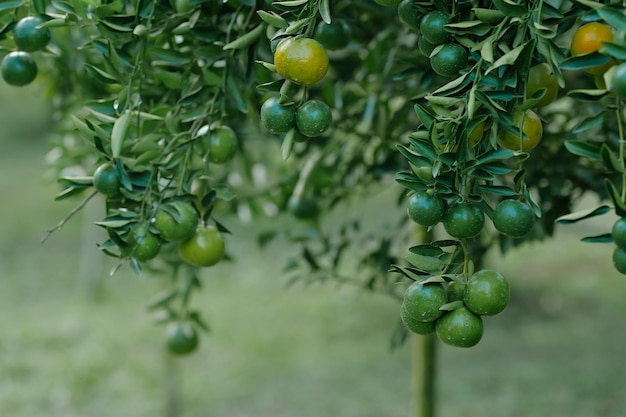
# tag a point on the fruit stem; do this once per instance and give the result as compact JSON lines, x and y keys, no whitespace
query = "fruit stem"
{"x":423,"y":358}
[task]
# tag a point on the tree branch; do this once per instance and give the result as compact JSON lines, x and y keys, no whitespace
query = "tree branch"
{"x":60,"y":225}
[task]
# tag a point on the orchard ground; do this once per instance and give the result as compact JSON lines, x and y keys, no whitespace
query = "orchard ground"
{"x":276,"y":350}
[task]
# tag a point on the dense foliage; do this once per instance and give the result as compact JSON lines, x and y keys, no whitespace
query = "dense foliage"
{"x":181,"y":112}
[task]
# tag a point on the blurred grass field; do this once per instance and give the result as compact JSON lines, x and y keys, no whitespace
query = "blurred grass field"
{"x":277,"y":351}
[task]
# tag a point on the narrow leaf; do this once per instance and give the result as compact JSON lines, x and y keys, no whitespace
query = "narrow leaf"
{"x":583,"y":215}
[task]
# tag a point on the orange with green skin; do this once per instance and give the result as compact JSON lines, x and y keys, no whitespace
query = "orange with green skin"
{"x":513,"y":218}
{"x":590,"y":38}
{"x":540,"y":77}
{"x":18,"y":68}
{"x":205,"y":248}
{"x":463,"y":220}
{"x":432,"y":27}
{"x":531,"y":127}
{"x":425,"y":209}
{"x":618,"y":80}
{"x":106,"y":179}
{"x":416,"y":326}
{"x":222,"y":144}
{"x":449,"y":60}
{"x":28,"y":36}
{"x":486,"y":293}
{"x":177,"y":221}
{"x":409,"y":15}
{"x":303,"y":61}
{"x":313,"y":118}
{"x":333,"y":36}
{"x":619,"y":260}
{"x":460,"y":328}
{"x":142,"y":245}
{"x":422,"y":301}
{"x":276,"y":117}
{"x":181,"y":338}
{"x":618,"y":233}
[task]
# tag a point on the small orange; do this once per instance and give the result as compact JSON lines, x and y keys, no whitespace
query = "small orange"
{"x":590,"y":38}
{"x":301,"y":60}
{"x":531,"y":127}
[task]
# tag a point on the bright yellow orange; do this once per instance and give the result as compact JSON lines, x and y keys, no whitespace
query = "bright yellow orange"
{"x":589,"y":38}
{"x":302,"y":60}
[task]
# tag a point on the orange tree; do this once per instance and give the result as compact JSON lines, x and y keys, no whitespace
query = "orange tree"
{"x":486,"y":113}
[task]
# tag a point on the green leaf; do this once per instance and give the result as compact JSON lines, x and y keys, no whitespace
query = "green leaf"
{"x":498,"y":189}
{"x":246,"y":39}
{"x":509,"y":8}
{"x":603,"y":238}
{"x":580,"y":62}
{"x":424,"y":148}
{"x":583,"y":215}
{"x":163,"y":299}
{"x":590,"y":123}
{"x":611,"y":159}
{"x":495,"y":155}
{"x":425,"y":263}
{"x":114,"y":224}
{"x":587,"y":95}
{"x":273,"y":19}
{"x":101,"y":75}
{"x":10,"y":5}
{"x":618,"y":203}
{"x":119,"y":132}
{"x":614,"y":17}
{"x":426,"y":250}
{"x":615,"y":50}
{"x":507,"y":59}
{"x":224,"y":192}
{"x":425,"y":116}
{"x":454,"y":305}
{"x":324,"y":9}
{"x":287,"y":145}
{"x":291,"y":3}
{"x":582,"y":148}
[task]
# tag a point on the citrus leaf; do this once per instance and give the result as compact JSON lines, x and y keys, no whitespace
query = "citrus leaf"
{"x":589,"y":123}
{"x":615,"y":50}
{"x":509,"y":8}
{"x":582,"y":148}
{"x":618,"y":203}
{"x":611,"y":159}
{"x":583,"y":215}
{"x":118,"y":134}
{"x":246,"y":39}
{"x":498,"y":189}
{"x":579,"y":62}
{"x":452,"y":306}
{"x":425,"y":263}
{"x":324,"y":9}
{"x":287,"y":145}
{"x":10,"y":4}
{"x":507,"y":59}
{"x":163,"y":299}
{"x":291,"y":3}
{"x":273,"y":19}
{"x":587,"y":95}
{"x":614,"y":17}
{"x":603,"y":238}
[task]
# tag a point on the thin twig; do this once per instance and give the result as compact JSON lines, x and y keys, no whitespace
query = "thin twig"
{"x":60,"y":225}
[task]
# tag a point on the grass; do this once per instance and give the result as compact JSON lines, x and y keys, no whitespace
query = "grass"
{"x":277,"y":351}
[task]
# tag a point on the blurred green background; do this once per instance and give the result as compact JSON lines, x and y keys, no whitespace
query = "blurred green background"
{"x":277,"y":351}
